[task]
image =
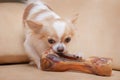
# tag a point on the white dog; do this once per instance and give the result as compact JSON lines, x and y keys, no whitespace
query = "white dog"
{"x":45,"y":29}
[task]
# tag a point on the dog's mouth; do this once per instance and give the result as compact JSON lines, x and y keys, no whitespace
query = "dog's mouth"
{"x":63,"y":55}
{"x":60,"y":54}
{"x":66,"y":56}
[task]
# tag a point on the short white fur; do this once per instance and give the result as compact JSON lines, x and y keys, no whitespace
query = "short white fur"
{"x":31,"y":52}
{"x":59,"y":27}
{"x":39,"y":6}
{"x":46,"y":15}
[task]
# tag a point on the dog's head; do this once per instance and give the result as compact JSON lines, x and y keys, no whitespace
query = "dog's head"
{"x":58,"y":32}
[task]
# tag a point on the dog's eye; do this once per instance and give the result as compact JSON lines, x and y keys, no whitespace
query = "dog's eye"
{"x":68,"y":39}
{"x":51,"y":41}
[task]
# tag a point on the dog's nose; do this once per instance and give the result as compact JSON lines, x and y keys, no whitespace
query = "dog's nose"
{"x":60,"y":49}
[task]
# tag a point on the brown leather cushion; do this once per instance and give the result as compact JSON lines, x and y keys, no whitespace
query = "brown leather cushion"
{"x":97,"y":28}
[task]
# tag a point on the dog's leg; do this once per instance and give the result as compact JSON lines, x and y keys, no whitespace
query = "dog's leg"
{"x":32,"y":54}
{"x":99,"y":66}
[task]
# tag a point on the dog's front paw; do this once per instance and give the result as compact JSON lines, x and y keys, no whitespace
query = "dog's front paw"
{"x":35,"y":62}
{"x":78,"y":56}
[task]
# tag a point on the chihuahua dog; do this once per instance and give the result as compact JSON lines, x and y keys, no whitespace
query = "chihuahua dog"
{"x":45,"y":29}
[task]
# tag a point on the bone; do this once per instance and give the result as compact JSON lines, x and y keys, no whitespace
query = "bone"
{"x":93,"y":65}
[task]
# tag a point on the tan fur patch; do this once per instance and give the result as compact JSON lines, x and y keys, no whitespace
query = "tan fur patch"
{"x":27,"y":10}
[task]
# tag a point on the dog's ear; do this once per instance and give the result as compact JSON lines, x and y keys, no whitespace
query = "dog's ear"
{"x":35,"y":26}
{"x":74,"y":18}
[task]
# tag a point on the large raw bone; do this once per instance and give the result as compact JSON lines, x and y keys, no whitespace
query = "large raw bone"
{"x":50,"y":61}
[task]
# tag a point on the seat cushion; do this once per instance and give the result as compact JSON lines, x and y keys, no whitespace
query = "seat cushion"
{"x":27,"y":72}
